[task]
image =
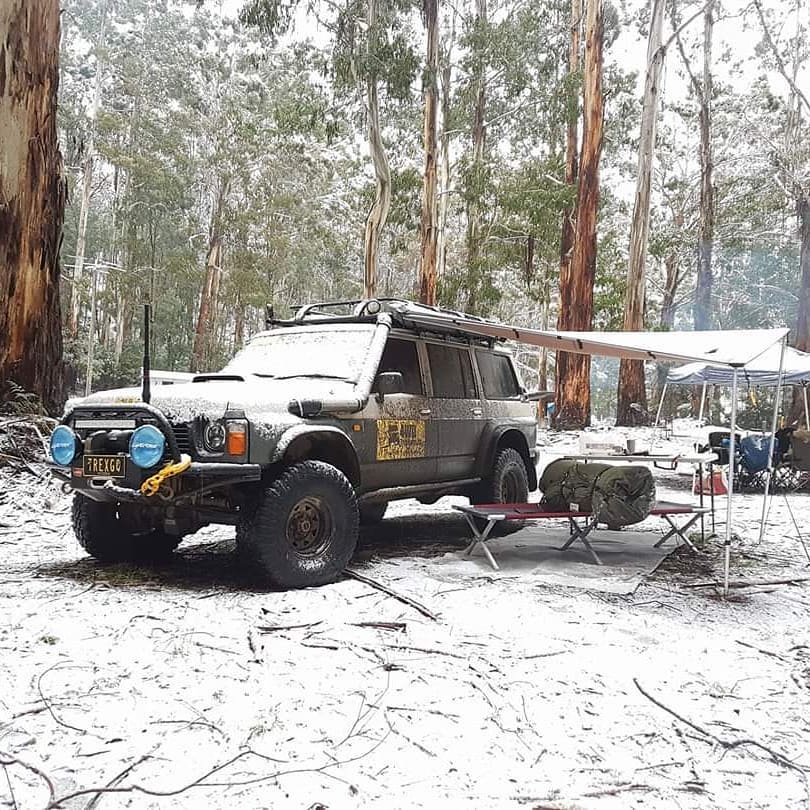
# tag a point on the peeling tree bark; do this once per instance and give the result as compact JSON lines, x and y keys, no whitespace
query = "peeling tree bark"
{"x":210,"y":289}
{"x":569,"y":214}
{"x":378,"y":214}
{"x":74,"y":302}
{"x":429,"y":225}
{"x":702,"y":308}
{"x":32,"y":199}
{"x":574,"y":389}
{"x":444,"y":195}
{"x":631,"y":372}
{"x":479,"y":142}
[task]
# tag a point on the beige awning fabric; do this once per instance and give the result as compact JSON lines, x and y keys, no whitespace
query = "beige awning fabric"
{"x":721,"y":347}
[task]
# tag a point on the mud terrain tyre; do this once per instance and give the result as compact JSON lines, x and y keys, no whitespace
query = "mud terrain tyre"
{"x":303,"y":528}
{"x":110,"y":532}
{"x":508,"y":483}
{"x":372,"y":513}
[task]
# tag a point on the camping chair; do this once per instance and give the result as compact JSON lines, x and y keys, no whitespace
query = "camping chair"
{"x":719,"y":441}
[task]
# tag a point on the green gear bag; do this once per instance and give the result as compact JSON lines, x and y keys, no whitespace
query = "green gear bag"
{"x":617,"y":495}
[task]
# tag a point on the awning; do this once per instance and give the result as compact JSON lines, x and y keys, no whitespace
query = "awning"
{"x":721,"y":347}
{"x":763,"y":370}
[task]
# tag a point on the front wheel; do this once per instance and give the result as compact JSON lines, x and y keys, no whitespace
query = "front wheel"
{"x":303,"y":528}
{"x":118,"y":532}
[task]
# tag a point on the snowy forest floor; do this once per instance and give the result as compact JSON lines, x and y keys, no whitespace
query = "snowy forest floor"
{"x":187,"y":686}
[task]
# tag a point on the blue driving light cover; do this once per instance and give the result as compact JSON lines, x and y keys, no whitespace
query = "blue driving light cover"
{"x":63,"y":445}
{"x":146,"y":446}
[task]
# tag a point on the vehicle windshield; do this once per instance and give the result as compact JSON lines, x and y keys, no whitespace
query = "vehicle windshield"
{"x":334,"y":352}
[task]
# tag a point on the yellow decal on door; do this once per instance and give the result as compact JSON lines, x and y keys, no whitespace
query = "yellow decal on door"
{"x":400,"y":438}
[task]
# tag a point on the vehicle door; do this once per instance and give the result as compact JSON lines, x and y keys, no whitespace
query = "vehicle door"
{"x":399,"y":441}
{"x":503,"y":403}
{"x":456,"y":405}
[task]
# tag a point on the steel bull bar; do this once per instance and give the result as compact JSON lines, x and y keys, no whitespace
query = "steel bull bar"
{"x":209,"y":475}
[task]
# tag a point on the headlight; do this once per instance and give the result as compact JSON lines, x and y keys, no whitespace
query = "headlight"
{"x":146,"y":446}
{"x":214,"y":437}
{"x":64,"y":444}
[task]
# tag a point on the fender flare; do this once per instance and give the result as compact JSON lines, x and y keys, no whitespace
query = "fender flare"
{"x":492,"y":439}
{"x":330,"y":433}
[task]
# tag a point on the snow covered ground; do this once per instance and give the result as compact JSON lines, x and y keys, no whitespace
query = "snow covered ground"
{"x":187,"y":686}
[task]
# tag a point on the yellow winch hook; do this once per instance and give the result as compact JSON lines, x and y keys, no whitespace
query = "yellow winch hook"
{"x":152,"y":484}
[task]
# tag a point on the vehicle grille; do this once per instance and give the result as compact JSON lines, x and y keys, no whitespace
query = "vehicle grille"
{"x":182,"y":432}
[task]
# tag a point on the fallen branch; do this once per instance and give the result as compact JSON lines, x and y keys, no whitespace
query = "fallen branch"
{"x":8,"y":759}
{"x":742,"y":583}
{"x":116,"y":780}
{"x":397,"y":626}
{"x":728,"y":745}
{"x":275,"y":628}
{"x":760,"y":650}
{"x":48,"y":704}
{"x":391,"y":592}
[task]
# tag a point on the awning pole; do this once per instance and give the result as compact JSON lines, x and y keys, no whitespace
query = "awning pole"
{"x":731,"y":452}
{"x":702,"y":403}
{"x":806,"y":412}
{"x":661,"y":404}
{"x":776,"y":404}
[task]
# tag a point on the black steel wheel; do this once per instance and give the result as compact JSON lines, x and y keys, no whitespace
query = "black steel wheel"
{"x":302,"y":529}
{"x":114,"y":532}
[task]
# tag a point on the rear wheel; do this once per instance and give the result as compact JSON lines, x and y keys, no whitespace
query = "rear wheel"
{"x":118,"y":532}
{"x":304,"y":526}
{"x":507,"y":483}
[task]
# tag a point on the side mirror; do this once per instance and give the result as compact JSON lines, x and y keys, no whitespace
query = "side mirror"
{"x":537,"y":396}
{"x":389,"y":382}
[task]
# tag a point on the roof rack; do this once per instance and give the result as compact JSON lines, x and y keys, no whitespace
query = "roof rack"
{"x":404,"y":314}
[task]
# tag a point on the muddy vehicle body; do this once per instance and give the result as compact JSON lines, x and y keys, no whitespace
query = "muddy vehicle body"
{"x":314,"y":426}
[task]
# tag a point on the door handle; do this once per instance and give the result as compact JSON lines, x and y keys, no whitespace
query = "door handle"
{"x":478,"y":411}
{"x":424,"y":412}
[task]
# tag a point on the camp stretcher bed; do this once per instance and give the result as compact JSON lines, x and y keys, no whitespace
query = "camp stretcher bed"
{"x":483,"y":518}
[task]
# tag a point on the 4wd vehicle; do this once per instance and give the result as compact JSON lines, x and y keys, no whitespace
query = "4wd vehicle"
{"x":312,"y":428}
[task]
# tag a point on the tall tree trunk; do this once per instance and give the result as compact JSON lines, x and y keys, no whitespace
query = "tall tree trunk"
{"x":444,"y":184}
{"x":803,"y":320}
{"x":631,"y":372}
{"x":32,"y":199}
{"x":378,"y":214}
{"x":429,"y":227}
{"x":75,"y":299}
{"x":705,"y":281}
{"x":571,"y":166}
{"x":208,"y":296}
{"x":479,"y":142}
{"x":574,"y":391}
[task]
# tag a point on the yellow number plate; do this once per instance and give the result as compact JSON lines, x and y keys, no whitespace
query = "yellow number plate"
{"x":400,"y":438}
{"x":105,"y":466}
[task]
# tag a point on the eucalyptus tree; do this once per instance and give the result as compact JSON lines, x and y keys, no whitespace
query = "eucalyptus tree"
{"x":32,"y":199}
{"x":371,"y":50}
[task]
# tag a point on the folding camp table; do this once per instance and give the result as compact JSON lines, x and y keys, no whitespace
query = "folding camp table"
{"x":483,"y":518}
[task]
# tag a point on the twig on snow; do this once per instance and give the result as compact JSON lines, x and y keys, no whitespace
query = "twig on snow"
{"x":728,"y":745}
{"x":397,"y":626}
{"x":7,"y":760}
{"x":391,"y":592}
{"x":115,"y":781}
{"x":48,"y":705}
{"x":10,"y":789}
{"x":760,"y":650}
{"x":275,"y":628}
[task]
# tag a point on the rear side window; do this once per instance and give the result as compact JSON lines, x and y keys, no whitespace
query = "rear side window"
{"x":451,"y":372}
{"x":401,"y":356}
{"x":497,"y":375}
